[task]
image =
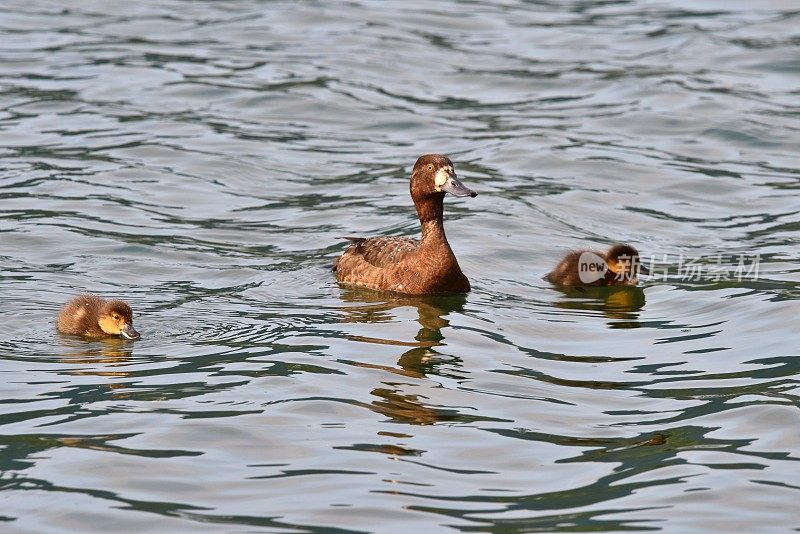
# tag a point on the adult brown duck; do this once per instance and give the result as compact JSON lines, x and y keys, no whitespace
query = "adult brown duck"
{"x":412,"y":266}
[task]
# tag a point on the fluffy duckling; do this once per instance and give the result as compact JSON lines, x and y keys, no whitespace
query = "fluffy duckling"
{"x":412,"y":266}
{"x":92,"y":316}
{"x":620,"y":265}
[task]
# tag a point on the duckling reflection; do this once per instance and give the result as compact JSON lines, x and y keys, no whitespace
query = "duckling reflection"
{"x":99,"y":356}
{"x":621,"y":303}
{"x":419,"y":360}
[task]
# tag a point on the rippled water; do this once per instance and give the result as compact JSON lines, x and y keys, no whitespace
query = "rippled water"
{"x":203,"y":159}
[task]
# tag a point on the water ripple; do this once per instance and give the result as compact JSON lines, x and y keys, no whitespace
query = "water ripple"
{"x":204,"y":163}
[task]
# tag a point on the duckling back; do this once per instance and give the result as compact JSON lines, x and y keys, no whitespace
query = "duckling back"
{"x":567,"y":272}
{"x":78,"y":317}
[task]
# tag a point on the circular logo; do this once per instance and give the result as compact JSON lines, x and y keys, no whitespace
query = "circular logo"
{"x":591,"y":267}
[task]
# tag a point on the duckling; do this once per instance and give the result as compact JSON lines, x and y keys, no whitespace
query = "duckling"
{"x":92,"y":316}
{"x":412,"y":266}
{"x":620,"y":265}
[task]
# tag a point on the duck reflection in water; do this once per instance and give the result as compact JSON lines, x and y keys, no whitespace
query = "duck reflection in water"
{"x":620,"y":303}
{"x":99,"y":357}
{"x":419,"y":360}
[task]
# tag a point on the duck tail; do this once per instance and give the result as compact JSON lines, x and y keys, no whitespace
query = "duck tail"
{"x":355,"y":240}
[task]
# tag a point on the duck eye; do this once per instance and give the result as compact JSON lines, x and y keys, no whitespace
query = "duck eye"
{"x":430,"y":166}
{"x":115,"y":317}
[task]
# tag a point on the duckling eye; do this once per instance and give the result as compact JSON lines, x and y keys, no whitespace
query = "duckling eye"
{"x":115,"y":316}
{"x":430,"y":166}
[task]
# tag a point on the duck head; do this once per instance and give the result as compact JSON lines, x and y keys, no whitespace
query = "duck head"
{"x":433,"y":176}
{"x":116,"y":318}
{"x":623,"y":262}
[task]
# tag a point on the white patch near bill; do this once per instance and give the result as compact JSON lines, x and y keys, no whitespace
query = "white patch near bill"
{"x":442,"y":175}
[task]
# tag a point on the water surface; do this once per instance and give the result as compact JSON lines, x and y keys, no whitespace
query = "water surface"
{"x":203,"y":160}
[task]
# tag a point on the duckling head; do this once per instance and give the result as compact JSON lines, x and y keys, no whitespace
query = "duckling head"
{"x":433,"y":176}
{"x":623,"y":260}
{"x":116,"y":318}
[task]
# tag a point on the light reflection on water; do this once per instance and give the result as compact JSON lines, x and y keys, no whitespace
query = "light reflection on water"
{"x":203,"y":160}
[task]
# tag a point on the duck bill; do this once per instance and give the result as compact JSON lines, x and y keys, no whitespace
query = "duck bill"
{"x":457,"y":189}
{"x":129,"y":333}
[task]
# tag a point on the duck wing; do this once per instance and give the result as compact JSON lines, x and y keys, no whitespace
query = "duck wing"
{"x":382,"y":251}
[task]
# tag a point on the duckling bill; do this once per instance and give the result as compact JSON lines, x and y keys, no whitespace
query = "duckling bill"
{"x":91,"y":316}
{"x":618,"y":266}
{"x":412,"y":266}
